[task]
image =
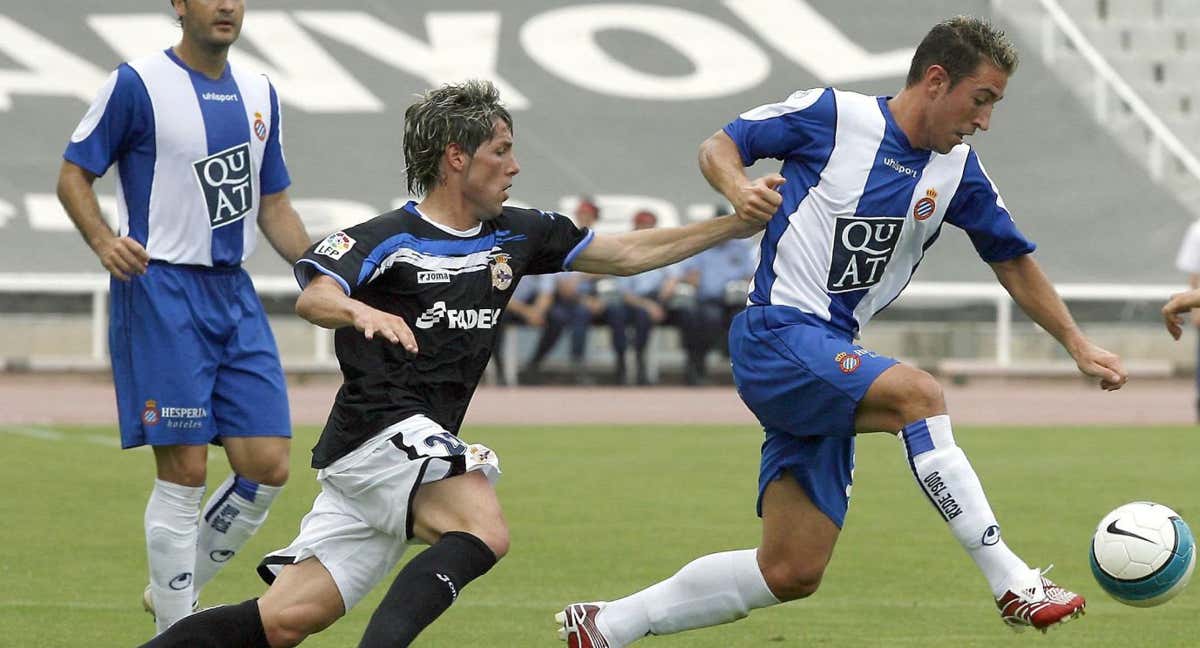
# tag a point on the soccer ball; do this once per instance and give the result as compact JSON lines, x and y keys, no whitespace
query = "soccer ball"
{"x":1143,"y":554}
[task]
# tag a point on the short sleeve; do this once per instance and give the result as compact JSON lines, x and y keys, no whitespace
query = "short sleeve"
{"x":273,"y":176}
{"x":346,"y":256}
{"x":560,"y":241}
{"x":1188,"y":259}
{"x":118,"y":116}
{"x":802,"y":126}
{"x":979,"y":210}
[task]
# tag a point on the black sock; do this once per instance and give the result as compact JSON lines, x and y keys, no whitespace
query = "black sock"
{"x":227,"y":626}
{"x":425,"y":588}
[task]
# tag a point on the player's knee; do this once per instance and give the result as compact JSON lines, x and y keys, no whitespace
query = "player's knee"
{"x":276,"y":475}
{"x":496,"y":539}
{"x":923,"y":397}
{"x":291,"y":625}
{"x":791,"y":581}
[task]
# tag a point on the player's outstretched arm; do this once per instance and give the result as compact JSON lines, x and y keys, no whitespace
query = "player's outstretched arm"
{"x":1023,"y":278}
{"x":282,"y":226}
{"x":323,"y":303}
{"x":1179,"y":304}
{"x":637,"y":251}
{"x":120,"y":255}
{"x":721,"y":165}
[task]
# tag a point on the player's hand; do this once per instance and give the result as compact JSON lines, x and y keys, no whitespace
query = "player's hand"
{"x":374,"y":322}
{"x":758,"y":201}
{"x":1100,"y":363}
{"x":1175,"y":307}
{"x":123,"y":257}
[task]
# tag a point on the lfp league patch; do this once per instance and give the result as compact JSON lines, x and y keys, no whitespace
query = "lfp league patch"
{"x":335,"y":245}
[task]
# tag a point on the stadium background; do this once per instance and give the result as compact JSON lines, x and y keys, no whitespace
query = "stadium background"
{"x":612,"y":101}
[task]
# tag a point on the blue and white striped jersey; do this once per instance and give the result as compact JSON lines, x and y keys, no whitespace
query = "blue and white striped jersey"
{"x":860,"y":205}
{"x":193,"y":156}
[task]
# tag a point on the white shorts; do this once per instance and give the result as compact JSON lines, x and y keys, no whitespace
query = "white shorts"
{"x":361,"y":521}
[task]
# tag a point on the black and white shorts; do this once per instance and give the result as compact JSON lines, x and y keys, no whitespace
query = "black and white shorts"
{"x":361,"y":521}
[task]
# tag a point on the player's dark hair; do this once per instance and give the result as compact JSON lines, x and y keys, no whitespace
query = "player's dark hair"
{"x":462,"y":114}
{"x":959,"y":45}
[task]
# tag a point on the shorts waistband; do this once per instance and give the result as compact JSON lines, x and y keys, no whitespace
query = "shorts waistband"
{"x":195,"y":267}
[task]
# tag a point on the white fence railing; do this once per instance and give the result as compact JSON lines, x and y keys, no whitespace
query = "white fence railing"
{"x":1107,"y":83}
{"x":933,"y":293}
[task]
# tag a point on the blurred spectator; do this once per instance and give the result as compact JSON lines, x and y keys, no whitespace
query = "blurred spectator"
{"x":573,"y":304}
{"x":528,"y":306}
{"x":1188,"y":261}
{"x":642,"y":303}
{"x":718,"y":279}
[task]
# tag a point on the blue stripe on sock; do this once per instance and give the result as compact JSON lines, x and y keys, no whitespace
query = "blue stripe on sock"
{"x":247,"y":489}
{"x":916,"y":438}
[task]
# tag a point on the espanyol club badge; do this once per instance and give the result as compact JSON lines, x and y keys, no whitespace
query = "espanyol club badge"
{"x":502,"y":273}
{"x":150,"y":414}
{"x":925,"y":206}
{"x":847,"y":362}
{"x":260,"y":127}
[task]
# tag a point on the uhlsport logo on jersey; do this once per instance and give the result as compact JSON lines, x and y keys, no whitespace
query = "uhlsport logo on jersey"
{"x":465,"y":318}
{"x":862,"y":247}
{"x":225,"y":180}
{"x":925,"y":206}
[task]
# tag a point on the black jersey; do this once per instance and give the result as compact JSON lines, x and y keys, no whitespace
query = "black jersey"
{"x":450,"y":287}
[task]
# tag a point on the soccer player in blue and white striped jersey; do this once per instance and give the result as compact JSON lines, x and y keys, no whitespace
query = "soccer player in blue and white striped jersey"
{"x":865,"y":186}
{"x":200,"y":168}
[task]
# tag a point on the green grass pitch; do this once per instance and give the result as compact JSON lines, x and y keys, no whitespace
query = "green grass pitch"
{"x":598,"y":512}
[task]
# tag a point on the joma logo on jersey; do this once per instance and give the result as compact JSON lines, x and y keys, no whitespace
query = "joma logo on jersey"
{"x":466,"y":318}
{"x":433,"y":276}
{"x":225,"y":180}
{"x":862,"y":247}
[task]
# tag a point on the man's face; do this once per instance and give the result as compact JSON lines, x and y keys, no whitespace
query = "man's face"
{"x":211,"y":23}
{"x":490,"y":172}
{"x":958,"y":112}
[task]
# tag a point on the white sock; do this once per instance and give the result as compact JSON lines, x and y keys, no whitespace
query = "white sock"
{"x":234,"y":512}
{"x":714,"y":589}
{"x":171,"y":516}
{"x":946,"y":476}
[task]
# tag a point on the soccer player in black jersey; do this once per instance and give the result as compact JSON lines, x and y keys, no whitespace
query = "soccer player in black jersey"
{"x":415,"y":295}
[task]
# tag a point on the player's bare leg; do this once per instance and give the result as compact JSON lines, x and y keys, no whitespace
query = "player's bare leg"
{"x":239,"y":506}
{"x":461,"y":519}
{"x":797,"y":543}
{"x":170,"y":522}
{"x":303,"y":600}
{"x":911,"y":401}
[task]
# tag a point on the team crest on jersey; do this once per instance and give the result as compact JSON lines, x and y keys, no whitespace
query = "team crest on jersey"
{"x":925,"y":206}
{"x":150,"y":413}
{"x":862,"y":247}
{"x":847,"y":362}
{"x":335,"y":245}
{"x":225,"y":181}
{"x":260,"y":127}
{"x":502,"y":273}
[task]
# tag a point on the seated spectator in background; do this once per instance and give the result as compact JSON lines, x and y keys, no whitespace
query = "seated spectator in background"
{"x":642,"y":301}
{"x":570,"y":304}
{"x":529,"y":306}
{"x":718,"y":278}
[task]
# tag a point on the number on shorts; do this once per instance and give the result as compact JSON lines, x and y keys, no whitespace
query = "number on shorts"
{"x":448,"y":441}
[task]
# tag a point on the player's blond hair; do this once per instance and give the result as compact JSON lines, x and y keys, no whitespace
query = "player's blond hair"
{"x":959,"y":45}
{"x":462,"y":114}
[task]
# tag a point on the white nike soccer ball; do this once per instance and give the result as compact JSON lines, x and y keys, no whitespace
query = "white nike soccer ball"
{"x":1143,"y":554}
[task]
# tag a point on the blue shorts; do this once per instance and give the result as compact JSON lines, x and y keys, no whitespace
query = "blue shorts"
{"x":803,"y":380}
{"x":193,"y":358}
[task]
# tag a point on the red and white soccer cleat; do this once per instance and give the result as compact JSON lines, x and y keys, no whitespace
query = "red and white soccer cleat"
{"x":1036,"y":602}
{"x":577,"y":626}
